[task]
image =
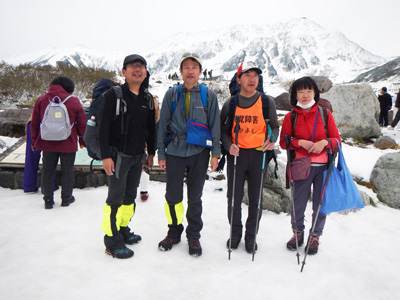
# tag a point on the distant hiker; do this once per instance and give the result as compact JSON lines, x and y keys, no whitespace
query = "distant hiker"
{"x":145,"y":178}
{"x":249,"y":105}
{"x":396,"y":119}
{"x":169,"y":76}
{"x":125,"y":127}
{"x":304,"y":97}
{"x":186,"y":111}
{"x":71,"y":117}
{"x":210,"y":74}
{"x":385,"y":103}
{"x":205,"y":74}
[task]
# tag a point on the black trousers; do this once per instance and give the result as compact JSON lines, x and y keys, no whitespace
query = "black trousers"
{"x":384,"y":117}
{"x":196,"y":167}
{"x":248,"y":166}
{"x":50,"y":161}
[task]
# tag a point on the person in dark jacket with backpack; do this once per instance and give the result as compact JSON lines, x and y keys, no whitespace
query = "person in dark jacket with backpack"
{"x":126,"y":126}
{"x":304,"y":97}
{"x":182,"y":156}
{"x":385,"y":103}
{"x":248,"y":149}
{"x":60,"y":89}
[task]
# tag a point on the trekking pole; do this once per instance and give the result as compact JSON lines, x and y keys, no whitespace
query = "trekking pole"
{"x":237,"y":127}
{"x":268,"y":134}
{"x":291,"y":184}
{"x":319,"y":207}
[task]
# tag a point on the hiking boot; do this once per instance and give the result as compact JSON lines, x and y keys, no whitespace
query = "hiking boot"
{"x":144,"y":196}
{"x":68,"y":201}
{"x":128,"y":236}
{"x":120,"y":253}
{"x":194,"y":247}
{"x":167,"y":243}
{"x":291,"y":244}
{"x":249,"y":244}
{"x":313,"y":247}
{"x":48,"y":204}
{"x":235,"y":242}
{"x":115,"y":246}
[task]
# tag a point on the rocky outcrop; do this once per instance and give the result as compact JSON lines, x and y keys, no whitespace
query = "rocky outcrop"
{"x":355,"y":109}
{"x":385,"y":176}
{"x":13,"y":121}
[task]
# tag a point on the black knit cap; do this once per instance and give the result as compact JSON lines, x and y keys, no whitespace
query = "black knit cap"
{"x":132,"y":58}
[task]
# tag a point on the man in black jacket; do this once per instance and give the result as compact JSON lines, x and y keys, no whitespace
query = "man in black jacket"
{"x":125,"y":127}
{"x":385,"y":101}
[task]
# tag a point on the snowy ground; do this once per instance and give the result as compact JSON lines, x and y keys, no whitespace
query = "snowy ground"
{"x":59,"y":253}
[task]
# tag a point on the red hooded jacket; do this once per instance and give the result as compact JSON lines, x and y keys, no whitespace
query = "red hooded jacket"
{"x":76,"y":116}
{"x":303,"y":131}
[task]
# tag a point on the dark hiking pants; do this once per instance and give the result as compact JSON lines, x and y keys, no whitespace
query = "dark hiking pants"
{"x":50,"y":160}
{"x":248,"y":167}
{"x":196,"y":168}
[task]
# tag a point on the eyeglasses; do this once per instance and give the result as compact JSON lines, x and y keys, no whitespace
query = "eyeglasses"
{"x":137,"y":65}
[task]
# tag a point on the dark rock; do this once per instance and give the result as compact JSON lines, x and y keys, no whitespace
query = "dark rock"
{"x":385,"y":142}
{"x":13,"y":122}
{"x":282,"y":102}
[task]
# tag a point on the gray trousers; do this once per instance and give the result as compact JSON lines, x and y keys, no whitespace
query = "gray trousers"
{"x":122,"y":186}
{"x":302,"y":192}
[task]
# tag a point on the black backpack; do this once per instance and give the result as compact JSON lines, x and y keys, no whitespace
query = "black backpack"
{"x":91,"y":133}
{"x":234,"y":86}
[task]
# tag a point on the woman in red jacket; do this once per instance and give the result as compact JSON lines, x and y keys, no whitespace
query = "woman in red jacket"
{"x":304,"y":97}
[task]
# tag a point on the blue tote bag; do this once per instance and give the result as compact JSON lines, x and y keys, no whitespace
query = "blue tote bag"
{"x":341,"y":192}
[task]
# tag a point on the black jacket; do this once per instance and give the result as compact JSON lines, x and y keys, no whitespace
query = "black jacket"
{"x":385,"y":101}
{"x":139,"y":120}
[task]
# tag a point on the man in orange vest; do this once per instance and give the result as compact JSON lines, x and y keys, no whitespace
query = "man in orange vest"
{"x":248,"y":149}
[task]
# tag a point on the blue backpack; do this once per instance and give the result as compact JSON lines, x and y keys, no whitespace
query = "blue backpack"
{"x":176,"y":94}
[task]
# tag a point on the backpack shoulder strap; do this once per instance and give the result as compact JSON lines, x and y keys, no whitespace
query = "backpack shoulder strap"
{"x":324,"y":115}
{"x":175,"y":95}
{"x":265,"y":105}
{"x":118,"y":93}
{"x":232,"y":109}
{"x":65,"y":100}
{"x":204,"y":95}
{"x":149,"y":97}
{"x":293,"y":119}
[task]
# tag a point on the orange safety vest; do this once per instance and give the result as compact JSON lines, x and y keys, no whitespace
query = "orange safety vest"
{"x":252,"y":126}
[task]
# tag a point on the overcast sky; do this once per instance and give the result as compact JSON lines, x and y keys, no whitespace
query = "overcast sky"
{"x":136,"y":26}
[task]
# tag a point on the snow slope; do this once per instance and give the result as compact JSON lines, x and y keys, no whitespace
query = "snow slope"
{"x":59,"y":253}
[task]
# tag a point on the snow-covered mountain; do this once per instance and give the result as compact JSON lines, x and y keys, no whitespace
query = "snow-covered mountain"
{"x":284,"y":51}
{"x":390,"y":71}
{"x":77,"y":56}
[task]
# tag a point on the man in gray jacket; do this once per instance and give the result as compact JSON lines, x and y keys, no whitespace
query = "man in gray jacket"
{"x":181,"y":106}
